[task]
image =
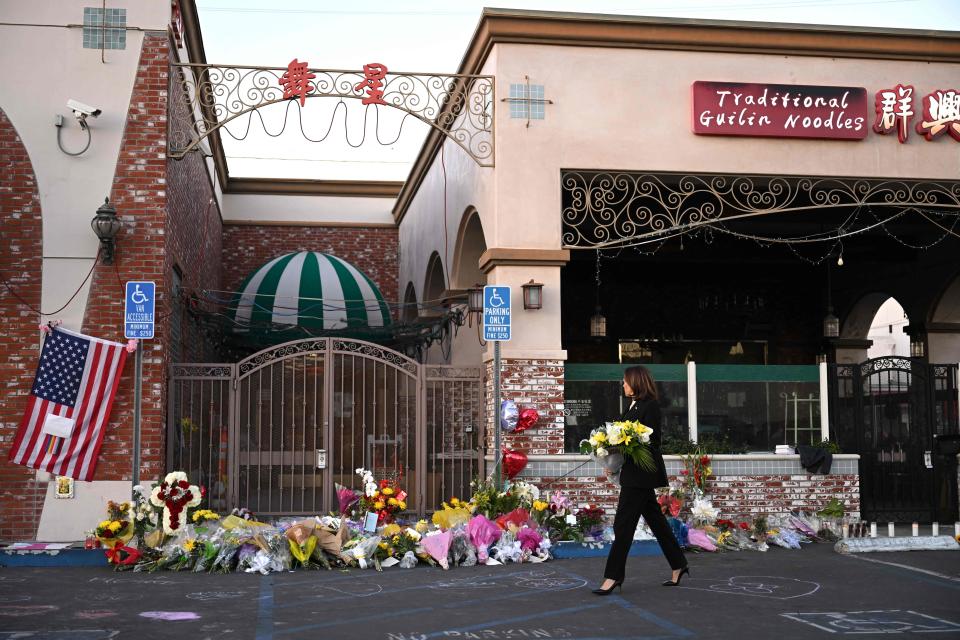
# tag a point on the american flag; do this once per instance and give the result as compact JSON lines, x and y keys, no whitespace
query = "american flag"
{"x":76,"y":380}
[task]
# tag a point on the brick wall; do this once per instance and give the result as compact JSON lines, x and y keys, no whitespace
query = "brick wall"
{"x":373,"y":250}
{"x":536,"y":384}
{"x":21,"y":262}
{"x":139,"y":194}
{"x":194,"y":240}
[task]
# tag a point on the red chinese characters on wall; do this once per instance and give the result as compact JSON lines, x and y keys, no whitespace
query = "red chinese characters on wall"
{"x":373,"y":75}
{"x":296,"y":81}
{"x":941,"y":114}
{"x":894,"y":109}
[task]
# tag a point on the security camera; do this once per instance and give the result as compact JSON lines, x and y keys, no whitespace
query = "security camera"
{"x":81,"y":111}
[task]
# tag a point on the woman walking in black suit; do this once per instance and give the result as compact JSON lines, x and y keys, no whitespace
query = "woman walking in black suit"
{"x":637,"y":496}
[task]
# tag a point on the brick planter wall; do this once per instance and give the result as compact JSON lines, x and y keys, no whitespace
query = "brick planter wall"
{"x":373,"y":250}
{"x":21,"y":266}
{"x":734,"y":493}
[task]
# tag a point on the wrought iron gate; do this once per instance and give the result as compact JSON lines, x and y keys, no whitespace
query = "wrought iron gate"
{"x":888,"y":410}
{"x":277,"y":431}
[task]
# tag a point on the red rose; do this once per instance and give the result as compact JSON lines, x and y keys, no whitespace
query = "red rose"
{"x":744,"y":526}
{"x":704,"y":460}
{"x":184,"y":484}
{"x":684,"y":472}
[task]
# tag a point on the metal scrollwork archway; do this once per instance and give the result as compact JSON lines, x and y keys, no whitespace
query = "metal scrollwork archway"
{"x":614,"y":209}
{"x":460,"y":106}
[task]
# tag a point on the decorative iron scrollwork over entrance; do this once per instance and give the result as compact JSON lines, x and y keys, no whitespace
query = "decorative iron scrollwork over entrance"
{"x":458,"y":105}
{"x":605,"y":209}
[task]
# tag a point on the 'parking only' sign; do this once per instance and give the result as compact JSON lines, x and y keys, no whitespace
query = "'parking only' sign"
{"x":138,"y":310}
{"x":496,"y":313}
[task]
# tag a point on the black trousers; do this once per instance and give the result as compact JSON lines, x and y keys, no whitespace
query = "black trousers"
{"x":633,"y":503}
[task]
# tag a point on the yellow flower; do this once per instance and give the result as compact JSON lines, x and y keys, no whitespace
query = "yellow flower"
{"x":539,"y":505}
{"x":115,"y":526}
{"x":378,"y":505}
{"x":391,"y":530}
{"x":393,"y":502}
{"x":402,"y":504}
{"x":455,"y":502}
{"x":708,"y":471}
{"x":388,"y":491}
{"x":422,"y":526}
{"x":383,"y":545}
{"x":189,"y":543}
{"x":104,"y":524}
{"x":601,"y":437}
{"x":396,"y":539}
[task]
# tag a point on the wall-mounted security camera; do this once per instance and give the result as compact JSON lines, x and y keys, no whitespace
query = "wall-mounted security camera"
{"x":81,"y":111}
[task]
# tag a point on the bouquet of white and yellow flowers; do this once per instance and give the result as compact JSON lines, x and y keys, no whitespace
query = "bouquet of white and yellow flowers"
{"x":627,"y":437}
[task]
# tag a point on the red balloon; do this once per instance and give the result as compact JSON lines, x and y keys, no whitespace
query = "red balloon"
{"x":528,"y":418}
{"x":513,"y":462}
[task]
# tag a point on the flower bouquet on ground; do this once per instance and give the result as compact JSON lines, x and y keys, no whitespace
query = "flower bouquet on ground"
{"x":117,"y":528}
{"x":614,"y":440}
{"x":385,"y":498}
{"x":590,"y":522}
{"x":557,"y":518}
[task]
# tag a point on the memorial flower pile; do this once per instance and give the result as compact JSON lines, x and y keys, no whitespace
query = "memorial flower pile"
{"x":180,"y":534}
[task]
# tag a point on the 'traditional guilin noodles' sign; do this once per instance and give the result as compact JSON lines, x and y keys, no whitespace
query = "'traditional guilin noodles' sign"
{"x":779,"y":110}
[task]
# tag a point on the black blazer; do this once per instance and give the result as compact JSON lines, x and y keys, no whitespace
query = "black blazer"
{"x":648,"y":412}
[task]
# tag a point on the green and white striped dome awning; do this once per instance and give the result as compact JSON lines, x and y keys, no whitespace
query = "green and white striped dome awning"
{"x":312,"y":290}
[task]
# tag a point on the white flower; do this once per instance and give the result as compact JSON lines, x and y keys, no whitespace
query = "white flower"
{"x":704,"y":511}
{"x":601,"y":452}
{"x":174,"y":477}
{"x":615,"y":434}
{"x":370,"y":489}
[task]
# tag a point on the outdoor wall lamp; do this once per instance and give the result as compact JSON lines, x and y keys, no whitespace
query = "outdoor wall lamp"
{"x":106,"y":224}
{"x":532,"y":295}
{"x":475,"y":298}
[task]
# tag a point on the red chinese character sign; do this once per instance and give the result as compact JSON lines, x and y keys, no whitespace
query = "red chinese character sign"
{"x":373,"y":75}
{"x":779,"y":110}
{"x":296,"y":81}
{"x":941,"y":114}
{"x":894,"y":109}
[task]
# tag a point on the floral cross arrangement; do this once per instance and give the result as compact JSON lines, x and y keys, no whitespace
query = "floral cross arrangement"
{"x":173,"y":495}
{"x":630,"y":437}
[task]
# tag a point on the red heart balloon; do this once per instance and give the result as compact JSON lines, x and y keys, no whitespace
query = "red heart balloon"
{"x":527,"y":419}
{"x":513,"y":462}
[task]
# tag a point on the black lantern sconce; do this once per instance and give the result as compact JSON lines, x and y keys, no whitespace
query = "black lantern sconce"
{"x":831,"y":325}
{"x":106,"y":224}
{"x":475,"y":298}
{"x":532,"y":295}
{"x":918,"y":347}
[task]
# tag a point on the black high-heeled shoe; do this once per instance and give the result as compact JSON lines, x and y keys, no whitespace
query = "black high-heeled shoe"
{"x":606,"y":592}
{"x":671,"y":583}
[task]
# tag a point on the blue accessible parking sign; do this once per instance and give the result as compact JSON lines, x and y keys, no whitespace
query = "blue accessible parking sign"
{"x":496,"y":313}
{"x":138,"y":311}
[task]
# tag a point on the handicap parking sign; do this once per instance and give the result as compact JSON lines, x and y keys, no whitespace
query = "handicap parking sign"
{"x":138,"y":310}
{"x":496,"y":313}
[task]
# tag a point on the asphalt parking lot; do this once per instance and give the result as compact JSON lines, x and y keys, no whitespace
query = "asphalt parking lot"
{"x":810,"y":593}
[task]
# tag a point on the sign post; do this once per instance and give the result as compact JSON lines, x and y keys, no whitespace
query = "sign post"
{"x":138,"y":321}
{"x":496,"y":327}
